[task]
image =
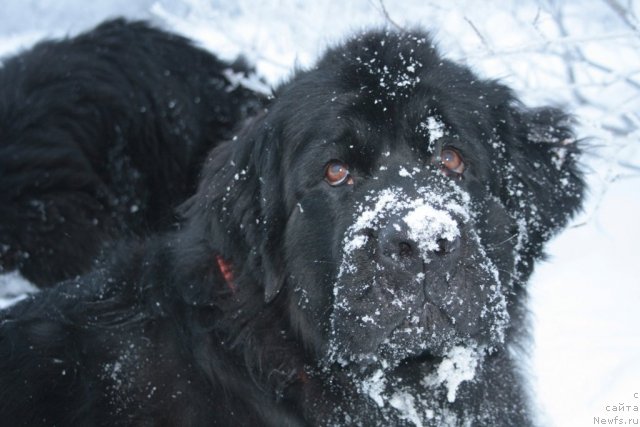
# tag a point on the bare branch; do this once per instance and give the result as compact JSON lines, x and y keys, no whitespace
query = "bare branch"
{"x":387,"y":17}
{"x":623,"y":14}
{"x":631,"y":166}
{"x":568,"y":55}
{"x":536,"y":18}
{"x":560,"y":41}
{"x":479,"y":34}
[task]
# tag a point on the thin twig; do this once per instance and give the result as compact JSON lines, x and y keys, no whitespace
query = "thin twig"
{"x":384,"y":11}
{"x":623,"y":14}
{"x":569,"y":54}
{"x":629,"y":166}
{"x":537,"y":47}
{"x":479,"y":34}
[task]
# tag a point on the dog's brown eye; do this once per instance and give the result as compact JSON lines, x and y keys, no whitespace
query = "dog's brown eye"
{"x":451,"y":161}
{"x":337,"y":173}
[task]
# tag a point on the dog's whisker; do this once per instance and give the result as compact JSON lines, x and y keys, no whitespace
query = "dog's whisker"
{"x":319,"y":261}
{"x":507,"y":240}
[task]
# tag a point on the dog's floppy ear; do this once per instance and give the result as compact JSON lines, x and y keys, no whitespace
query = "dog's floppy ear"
{"x":544,"y":184}
{"x":267,"y":156}
{"x":238,"y":208}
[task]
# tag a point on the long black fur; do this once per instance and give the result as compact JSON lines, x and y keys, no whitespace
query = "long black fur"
{"x":157,"y":336}
{"x":101,"y":136}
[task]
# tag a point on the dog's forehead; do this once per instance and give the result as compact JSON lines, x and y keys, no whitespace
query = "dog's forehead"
{"x":351,"y":133}
{"x":391,"y":62}
{"x":390,"y":79}
{"x":391,"y":69}
{"x":386,"y":91}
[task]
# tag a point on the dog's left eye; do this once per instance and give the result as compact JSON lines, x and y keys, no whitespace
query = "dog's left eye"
{"x":337,"y":173}
{"x":451,"y":162}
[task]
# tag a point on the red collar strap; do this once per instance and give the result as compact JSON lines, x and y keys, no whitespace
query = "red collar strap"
{"x":225,"y":269}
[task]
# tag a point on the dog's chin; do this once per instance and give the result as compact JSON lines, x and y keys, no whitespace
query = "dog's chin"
{"x":366,"y":332}
{"x":395,"y":353}
{"x":365,"y":365}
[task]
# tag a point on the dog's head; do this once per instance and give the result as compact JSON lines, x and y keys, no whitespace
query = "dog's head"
{"x":393,"y":199}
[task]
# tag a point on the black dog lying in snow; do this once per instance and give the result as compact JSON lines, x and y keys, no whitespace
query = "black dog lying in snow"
{"x":101,"y":136}
{"x":358,"y":256}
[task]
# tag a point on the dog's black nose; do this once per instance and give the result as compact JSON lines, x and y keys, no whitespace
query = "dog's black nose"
{"x":397,"y":245}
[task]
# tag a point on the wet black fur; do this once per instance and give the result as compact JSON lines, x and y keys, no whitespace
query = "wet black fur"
{"x":101,"y":136}
{"x":155,"y":336}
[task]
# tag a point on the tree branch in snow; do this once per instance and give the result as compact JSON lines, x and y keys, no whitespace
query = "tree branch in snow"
{"x":479,"y":34}
{"x":387,"y":17}
{"x":626,"y":14}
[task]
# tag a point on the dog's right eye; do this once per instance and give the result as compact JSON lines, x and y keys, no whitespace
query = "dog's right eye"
{"x":451,"y":162}
{"x":337,"y":173}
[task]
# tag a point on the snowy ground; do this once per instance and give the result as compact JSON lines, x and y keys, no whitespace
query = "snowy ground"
{"x":582,"y":55}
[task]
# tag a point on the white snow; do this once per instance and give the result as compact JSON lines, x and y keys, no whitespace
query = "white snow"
{"x":427,"y":225}
{"x":394,"y":82}
{"x":586,"y":298}
{"x":13,"y":288}
{"x":428,"y":217}
{"x":404,"y":173}
{"x":405,"y":403}
{"x":356,"y":242}
{"x":435,"y":130}
{"x":374,"y":387}
{"x":459,"y":365}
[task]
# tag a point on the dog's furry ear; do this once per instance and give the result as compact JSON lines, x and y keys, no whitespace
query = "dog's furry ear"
{"x":238,"y":208}
{"x":267,"y":159}
{"x":544,"y":187}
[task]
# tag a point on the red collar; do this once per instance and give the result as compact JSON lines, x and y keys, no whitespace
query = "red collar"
{"x":225,"y":269}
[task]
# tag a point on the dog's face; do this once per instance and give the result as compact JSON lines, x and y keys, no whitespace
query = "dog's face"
{"x":388,"y":243}
{"x":396,"y":202}
{"x":408,"y":209}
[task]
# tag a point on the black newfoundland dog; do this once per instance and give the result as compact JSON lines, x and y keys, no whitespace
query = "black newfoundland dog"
{"x":358,"y":255}
{"x":101,"y":136}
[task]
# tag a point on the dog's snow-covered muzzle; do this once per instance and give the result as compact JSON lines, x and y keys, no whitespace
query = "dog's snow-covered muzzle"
{"x":414,"y":279}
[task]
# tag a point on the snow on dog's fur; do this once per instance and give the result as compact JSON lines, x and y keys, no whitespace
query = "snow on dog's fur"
{"x":357,"y":256}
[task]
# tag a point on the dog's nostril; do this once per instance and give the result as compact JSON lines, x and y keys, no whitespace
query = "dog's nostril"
{"x":446,"y":246}
{"x":396,"y":246}
{"x":405,"y":249}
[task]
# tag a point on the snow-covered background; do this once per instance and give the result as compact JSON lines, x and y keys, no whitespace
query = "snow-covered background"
{"x":583,"y":55}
